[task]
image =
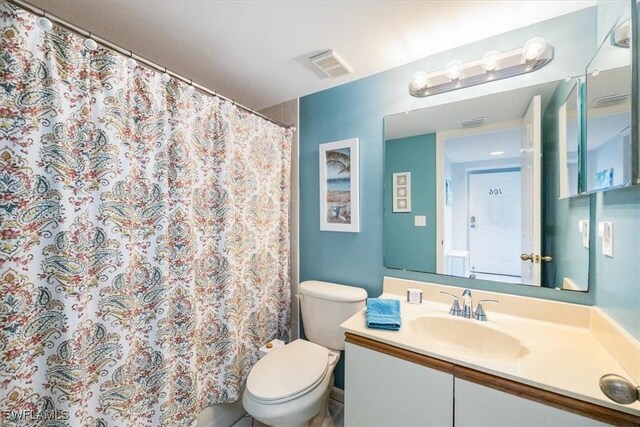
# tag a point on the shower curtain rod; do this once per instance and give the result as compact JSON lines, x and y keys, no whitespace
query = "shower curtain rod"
{"x":128,"y":53}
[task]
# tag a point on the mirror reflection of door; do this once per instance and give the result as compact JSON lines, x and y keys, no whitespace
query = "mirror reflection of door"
{"x":492,"y":172}
{"x":531,"y":151}
{"x":494,"y":194}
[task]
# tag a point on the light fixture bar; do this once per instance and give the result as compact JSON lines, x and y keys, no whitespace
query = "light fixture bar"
{"x":501,"y":66}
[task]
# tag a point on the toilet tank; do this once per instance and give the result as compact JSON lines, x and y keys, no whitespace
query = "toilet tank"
{"x":324,"y":307}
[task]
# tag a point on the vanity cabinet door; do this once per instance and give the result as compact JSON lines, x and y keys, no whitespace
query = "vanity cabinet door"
{"x":383,"y":390}
{"x":479,"y":406}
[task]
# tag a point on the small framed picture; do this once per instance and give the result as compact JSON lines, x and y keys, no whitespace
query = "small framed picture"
{"x":339,"y":186}
{"x":402,"y":192}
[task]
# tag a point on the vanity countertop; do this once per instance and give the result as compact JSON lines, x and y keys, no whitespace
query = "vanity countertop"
{"x":564,"y":357}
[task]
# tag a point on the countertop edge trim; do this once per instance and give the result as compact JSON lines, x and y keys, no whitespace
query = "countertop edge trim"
{"x":556,"y":400}
{"x":401,"y":353}
{"x":565,"y":403}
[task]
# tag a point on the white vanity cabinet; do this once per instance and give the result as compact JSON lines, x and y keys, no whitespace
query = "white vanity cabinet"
{"x":383,"y":390}
{"x":390,"y":386}
{"x":480,"y":406}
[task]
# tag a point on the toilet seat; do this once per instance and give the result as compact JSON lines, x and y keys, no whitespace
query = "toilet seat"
{"x":288,"y":372}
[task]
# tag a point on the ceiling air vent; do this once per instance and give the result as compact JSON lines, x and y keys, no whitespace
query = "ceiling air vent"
{"x":608,"y":100}
{"x":479,"y":121}
{"x":330,"y":64}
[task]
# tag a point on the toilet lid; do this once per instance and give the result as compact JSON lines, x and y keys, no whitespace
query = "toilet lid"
{"x":288,"y":371}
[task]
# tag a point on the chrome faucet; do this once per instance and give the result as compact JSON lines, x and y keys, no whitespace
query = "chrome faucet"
{"x":467,"y":305}
{"x":480,"y":314}
{"x":455,"y":309}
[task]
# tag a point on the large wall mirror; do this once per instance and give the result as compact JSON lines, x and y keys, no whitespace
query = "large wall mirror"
{"x":500,"y":182}
{"x":482,"y":176}
{"x":608,"y":111}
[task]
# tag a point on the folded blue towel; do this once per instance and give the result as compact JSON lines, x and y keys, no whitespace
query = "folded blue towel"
{"x":383,"y":314}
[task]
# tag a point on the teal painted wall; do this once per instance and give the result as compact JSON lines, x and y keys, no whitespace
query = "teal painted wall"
{"x":618,"y":278}
{"x":357,"y":110}
{"x":415,"y":154}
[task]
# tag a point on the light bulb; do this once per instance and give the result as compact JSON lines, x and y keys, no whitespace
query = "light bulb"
{"x":419,"y":81}
{"x":491,"y":60}
{"x":165,"y":77}
{"x":90,"y":44}
{"x":132,"y":63}
{"x":44,"y":23}
{"x":454,"y":70}
{"x":191,"y":89}
{"x":534,"y":48}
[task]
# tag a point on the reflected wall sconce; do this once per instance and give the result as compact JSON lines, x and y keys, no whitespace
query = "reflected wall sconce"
{"x":621,"y":36}
{"x":494,"y":65}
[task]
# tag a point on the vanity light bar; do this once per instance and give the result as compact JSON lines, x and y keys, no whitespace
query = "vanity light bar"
{"x":500,"y":65}
{"x":622,"y":35}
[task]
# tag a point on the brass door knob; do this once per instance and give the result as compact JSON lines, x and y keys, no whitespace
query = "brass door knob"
{"x":535,"y":258}
{"x":526,"y":257}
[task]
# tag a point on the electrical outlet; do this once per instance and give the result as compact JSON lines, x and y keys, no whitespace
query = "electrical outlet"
{"x":420,"y":221}
{"x":607,"y":238}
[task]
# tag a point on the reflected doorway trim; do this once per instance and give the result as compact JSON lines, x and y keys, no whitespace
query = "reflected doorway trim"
{"x":441,"y":136}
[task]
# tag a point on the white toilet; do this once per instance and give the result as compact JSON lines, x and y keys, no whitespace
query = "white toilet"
{"x":291,"y":384}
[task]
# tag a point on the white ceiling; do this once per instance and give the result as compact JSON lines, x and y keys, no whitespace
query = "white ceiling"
{"x":478,"y":146}
{"x":256,"y":52}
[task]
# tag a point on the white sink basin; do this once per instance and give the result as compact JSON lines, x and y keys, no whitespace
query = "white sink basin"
{"x":468,"y":336}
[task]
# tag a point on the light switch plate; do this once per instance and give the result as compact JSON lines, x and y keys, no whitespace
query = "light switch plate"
{"x":607,"y":238}
{"x":420,"y":221}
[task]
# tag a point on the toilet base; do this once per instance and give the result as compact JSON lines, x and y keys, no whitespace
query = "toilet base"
{"x":323,"y":419}
{"x":301,"y":412}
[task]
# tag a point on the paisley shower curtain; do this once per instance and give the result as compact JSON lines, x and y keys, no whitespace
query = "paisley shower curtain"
{"x":145,"y":242}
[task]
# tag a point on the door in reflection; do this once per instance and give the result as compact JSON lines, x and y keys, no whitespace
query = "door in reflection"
{"x":494,"y":195}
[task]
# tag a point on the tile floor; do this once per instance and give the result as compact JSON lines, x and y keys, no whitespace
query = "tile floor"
{"x":336,"y":410}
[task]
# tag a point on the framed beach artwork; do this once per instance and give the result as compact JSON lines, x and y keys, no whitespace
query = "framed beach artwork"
{"x":339,"y":187}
